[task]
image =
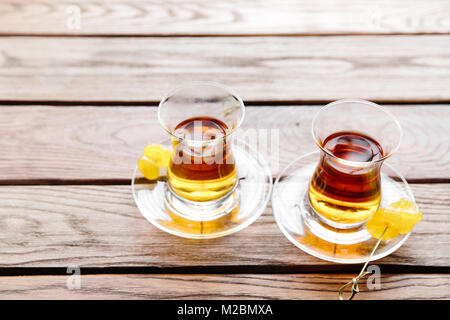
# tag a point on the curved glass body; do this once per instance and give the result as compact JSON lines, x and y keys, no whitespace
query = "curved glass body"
{"x":355,"y":137}
{"x":200,"y":117}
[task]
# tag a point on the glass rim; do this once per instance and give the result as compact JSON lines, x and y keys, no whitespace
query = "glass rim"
{"x":199,"y":84}
{"x":360,"y":101}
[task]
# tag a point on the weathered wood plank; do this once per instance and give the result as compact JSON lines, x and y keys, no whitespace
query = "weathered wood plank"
{"x":100,"y":226}
{"x":104,"y":143}
{"x":198,"y":17}
{"x":395,"y":68}
{"x":240,"y":286}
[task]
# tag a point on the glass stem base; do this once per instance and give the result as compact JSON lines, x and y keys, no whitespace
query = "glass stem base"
{"x":201,"y":210}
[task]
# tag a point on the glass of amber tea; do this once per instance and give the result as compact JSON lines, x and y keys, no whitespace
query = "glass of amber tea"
{"x":216,"y":181}
{"x":354,"y":137}
{"x":202,"y":175}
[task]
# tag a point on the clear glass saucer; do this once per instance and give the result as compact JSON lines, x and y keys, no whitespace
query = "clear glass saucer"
{"x":247,"y":202}
{"x":301,"y":225}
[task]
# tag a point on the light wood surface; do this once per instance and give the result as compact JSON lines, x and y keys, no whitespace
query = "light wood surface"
{"x":288,"y":69}
{"x":219,"y":286}
{"x":44,"y":143}
{"x":77,"y":106}
{"x":100,"y":226}
{"x":249,"y":17}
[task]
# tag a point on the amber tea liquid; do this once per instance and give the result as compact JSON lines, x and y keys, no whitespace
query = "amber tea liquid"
{"x":198,"y":170}
{"x":347,"y":193}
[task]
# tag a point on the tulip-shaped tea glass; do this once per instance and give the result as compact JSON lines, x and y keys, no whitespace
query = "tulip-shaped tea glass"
{"x":322,"y":200}
{"x":354,"y":138}
{"x":212,"y":186}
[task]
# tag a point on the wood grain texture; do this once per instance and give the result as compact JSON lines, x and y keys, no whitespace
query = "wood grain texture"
{"x":104,"y":143}
{"x":199,"y":17}
{"x":239,"y":287}
{"x":100,"y":226}
{"x":299,"y":69}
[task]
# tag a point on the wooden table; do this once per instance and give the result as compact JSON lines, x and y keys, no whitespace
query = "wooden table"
{"x":79,"y":105}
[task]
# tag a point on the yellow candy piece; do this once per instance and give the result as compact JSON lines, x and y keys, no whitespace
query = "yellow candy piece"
{"x":148,"y":168}
{"x":155,"y":157}
{"x":399,"y":218}
{"x":158,"y":154}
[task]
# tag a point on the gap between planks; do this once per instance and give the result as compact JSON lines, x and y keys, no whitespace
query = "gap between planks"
{"x":124,"y":182}
{"x":249,"y":103}
{"x":230,"y":35}
{"x":232,"y":269}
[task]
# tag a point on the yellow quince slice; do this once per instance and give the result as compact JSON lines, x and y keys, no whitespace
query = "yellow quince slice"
{"x":399,"y":218}
{"x":155,"y":157}
{"x":148,"y":168}
{"x":158,"y":154}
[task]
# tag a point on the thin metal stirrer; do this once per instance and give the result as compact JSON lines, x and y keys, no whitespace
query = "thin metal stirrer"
{"x":354,"y":282}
